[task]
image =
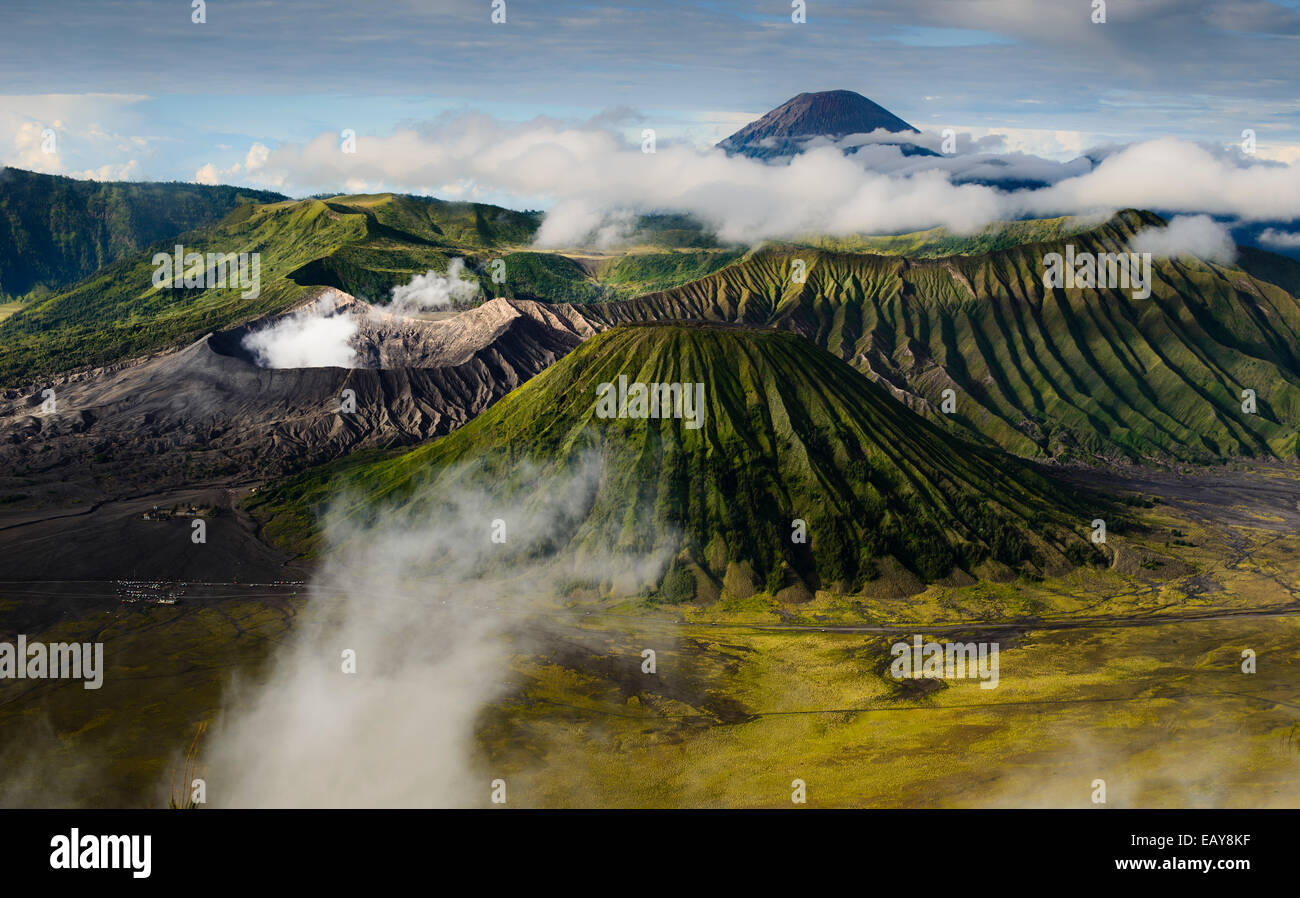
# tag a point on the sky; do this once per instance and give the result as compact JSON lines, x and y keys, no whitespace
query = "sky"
{"x":257,"y":92}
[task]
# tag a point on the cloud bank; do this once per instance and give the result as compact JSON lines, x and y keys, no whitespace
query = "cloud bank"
{"x":591,"y":180}
{"x":1187,"y":235}
{"x":1280,"y":239}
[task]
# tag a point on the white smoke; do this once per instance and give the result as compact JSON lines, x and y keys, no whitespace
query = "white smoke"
{"x":325,"y":332}
{"x":1187,"y":235}
{"x":317,"y":336}
{"x":432,"y":290}
{"x":433,"y":610}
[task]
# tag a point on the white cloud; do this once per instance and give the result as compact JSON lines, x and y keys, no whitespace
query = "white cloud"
{"x":29,"y":150}
{"x":1187,"y":235}
{"x":1045,"y":142}
{"x":80,"y":137}
{"x":1280,"y":239}
{"x":208,"y":174}
{"x":590,"y":180}
{"x":253,"y":160}
{"x":112,"y":171}
{"x":1177,"y":176}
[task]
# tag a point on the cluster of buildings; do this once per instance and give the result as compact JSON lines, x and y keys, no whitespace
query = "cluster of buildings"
{"x":155,"y":592}
{"x":157,"y":513}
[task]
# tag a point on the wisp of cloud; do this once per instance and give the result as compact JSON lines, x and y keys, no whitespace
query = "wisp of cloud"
{"x":431,"y":609}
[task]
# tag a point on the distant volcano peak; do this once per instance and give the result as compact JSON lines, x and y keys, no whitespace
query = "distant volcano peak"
{"x":831,"y":113}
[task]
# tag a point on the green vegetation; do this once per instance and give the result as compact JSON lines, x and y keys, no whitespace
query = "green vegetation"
{"x":55,"y":231}
{"x":548,"y":277}
{"x":1077,"y":374}
{"x":937,"y":242}
{"x":1108,"y":676}
{"x":353,"y":243}
{"x":1105,"y":673}
{"x":118,"y":313}
{"x":671,"y":231}
{"x":789,"y":432}
{"x":636,"y":273}
{"x":124,"y":744}
{"x":364,"y":245}
{"x":589,"y":278}
{"x":1158,"y":711}
{"x":403,"y":236}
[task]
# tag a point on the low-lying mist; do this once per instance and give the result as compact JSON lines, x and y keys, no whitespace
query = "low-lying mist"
{"x":433,"y":610}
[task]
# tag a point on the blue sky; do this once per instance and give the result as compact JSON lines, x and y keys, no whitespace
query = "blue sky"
{"x":135,"y":89}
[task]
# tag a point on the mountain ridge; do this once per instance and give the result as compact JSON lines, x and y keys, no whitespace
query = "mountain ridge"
{"x":1075,"y":374}
{"x":56,"y":230}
